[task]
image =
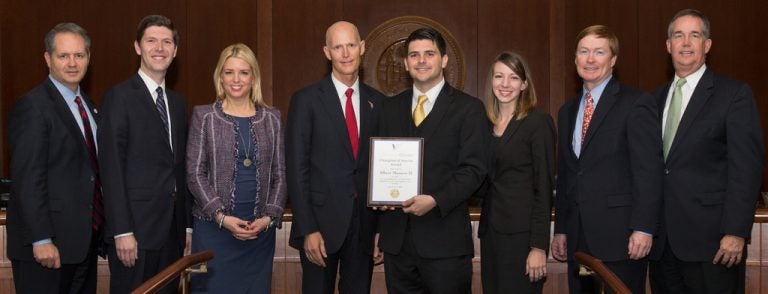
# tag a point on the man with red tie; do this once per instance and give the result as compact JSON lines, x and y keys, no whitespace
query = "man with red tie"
{"x":327,"y":135}
{"x":608,"y":196}
{"x":55,"y":214}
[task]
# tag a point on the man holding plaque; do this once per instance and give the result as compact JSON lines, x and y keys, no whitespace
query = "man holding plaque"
{"x":327,"y":133}
{"x":428,"y":243}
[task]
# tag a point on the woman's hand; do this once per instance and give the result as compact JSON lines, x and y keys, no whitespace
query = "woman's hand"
{"x":536,"y":264}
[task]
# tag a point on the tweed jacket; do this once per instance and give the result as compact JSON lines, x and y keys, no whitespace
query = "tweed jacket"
{"x":211,"y":161}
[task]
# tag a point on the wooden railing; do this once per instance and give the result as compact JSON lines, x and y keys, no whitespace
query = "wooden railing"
{"x":606,"y":275}
{"x":154,"y":284}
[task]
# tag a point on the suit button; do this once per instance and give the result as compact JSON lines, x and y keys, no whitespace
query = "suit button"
{"x":666,"y":171}
{"x":580,"y":173}
{"x":93,"y":178}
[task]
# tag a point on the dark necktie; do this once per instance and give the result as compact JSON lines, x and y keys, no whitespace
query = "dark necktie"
{"x":97,"y":213}
{"x":349,"y":116}
{"x":589,"y":109}
{"x":160,"y":104}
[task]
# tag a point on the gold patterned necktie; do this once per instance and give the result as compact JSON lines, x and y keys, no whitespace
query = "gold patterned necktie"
{"x":673,"y":116}
{"x":418,"y":113}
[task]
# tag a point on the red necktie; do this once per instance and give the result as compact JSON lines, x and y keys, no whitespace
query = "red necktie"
{"x":97,"y":214}
{"x":349,"y":116}
{"x":588,"y":110}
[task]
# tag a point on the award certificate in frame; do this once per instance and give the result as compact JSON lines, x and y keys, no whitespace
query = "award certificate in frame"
{"x":394,"y":170}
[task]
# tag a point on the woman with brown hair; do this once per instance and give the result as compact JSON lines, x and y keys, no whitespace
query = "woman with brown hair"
{"x":515,"y":221}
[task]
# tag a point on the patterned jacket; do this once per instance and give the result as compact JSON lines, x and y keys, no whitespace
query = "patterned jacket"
{"x":211,"y":161}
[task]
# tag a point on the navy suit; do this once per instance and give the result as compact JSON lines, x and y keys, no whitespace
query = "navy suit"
{"x":614,"y":187}
{"x":143,"y":180}
{"x":328,"y":187}
{"x":52,"y":190}
{"x":712,"y":178}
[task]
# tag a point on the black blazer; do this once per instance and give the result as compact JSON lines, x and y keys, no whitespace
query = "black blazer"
{"x":521,"y":179}
{"x":454,"y":165}
{"x":323,"y":176}
{"x":143,"y":180}
{"x":53,"y":180}
{"x":614,"y":187}
{"x":714,"y":168}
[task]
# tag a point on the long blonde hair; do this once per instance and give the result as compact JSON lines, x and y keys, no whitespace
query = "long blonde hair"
{"x":240,"y":51}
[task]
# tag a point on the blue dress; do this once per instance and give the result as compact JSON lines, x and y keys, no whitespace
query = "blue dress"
{"x":237,"y":266}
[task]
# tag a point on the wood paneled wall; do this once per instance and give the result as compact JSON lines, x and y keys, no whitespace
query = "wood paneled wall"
{"x":288,"y":36}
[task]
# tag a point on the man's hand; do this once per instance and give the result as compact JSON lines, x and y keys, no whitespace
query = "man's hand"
{"x":419,"y":205}
{"x":730,"y":251}
{"x":639,"y":245}
{"x":127,"y":250}
{"x":559,"y":247}
{"x":314,"y":248}
{"x":47,"y":255}
{"x":536,"y":264}
{"x":378,"y":256}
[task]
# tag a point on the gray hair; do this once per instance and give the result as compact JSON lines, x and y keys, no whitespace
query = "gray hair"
{"x":66,"y":27}
{"x":690,"y":12}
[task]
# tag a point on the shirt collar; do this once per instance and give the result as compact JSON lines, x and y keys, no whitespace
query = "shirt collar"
{"x":431,"y":93}
{"x":64,"y":90}
{"x":150,"y":83}
{"x":693,"y":79}
{"x":341,"y":88}
{"x":597,"y":91}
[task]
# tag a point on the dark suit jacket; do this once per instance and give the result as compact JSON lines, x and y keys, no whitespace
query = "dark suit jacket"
{"x":323,"y":176}
{"x":454,"y":165}
{"x":521,"y":179}
{"x":714,"y":168}
{"x":139,"y":171}
{"x":614,"y":187}
{"x":53,"y":181}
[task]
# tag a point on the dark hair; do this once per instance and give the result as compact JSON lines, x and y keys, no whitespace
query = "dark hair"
{"x":526,"y":102}
{"x":66,"y":27}
{"x":156,"y":21}
{"x":693,"y":13}
{"x":601,"y":32}
{"x":426,"y":34}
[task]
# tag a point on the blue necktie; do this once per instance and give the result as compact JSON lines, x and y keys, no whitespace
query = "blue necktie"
{"x":160,"y":104}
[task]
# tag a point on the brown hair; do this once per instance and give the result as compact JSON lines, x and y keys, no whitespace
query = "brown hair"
{"x":527,"y":100}
{"x":602,"y":32}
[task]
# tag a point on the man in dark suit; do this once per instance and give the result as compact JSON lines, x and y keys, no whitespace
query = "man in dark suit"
{"x":428,"y":243}
{"x":55,"y":214}
{"x":609,"y":160}
{"x":713,"y":147}
{"x":143,"y":140}
{"x":327,"y":137}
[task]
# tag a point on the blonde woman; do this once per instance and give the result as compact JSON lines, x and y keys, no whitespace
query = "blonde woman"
{"x":236,"y":172}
